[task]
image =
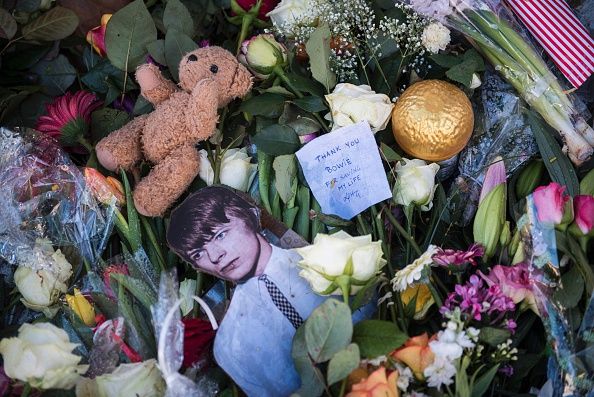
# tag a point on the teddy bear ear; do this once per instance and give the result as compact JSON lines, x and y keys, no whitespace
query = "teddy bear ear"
{"x":242,"y":82}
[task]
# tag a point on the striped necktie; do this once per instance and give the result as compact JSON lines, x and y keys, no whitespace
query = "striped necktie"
{"x":281,"y":302}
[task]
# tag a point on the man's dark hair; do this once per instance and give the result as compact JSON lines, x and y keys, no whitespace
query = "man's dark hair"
{"x":195,"y":221}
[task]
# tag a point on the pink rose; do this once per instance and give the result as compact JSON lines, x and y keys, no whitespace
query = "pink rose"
{"x":514,"y":282}
{"x":552,"y":204}
{"x":584,"y":213}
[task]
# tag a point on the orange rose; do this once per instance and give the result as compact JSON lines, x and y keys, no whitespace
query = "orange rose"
{"x":416,"y":354}
{"x":377,"y":385}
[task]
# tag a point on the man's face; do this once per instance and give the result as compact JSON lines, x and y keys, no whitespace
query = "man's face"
{"x":232,"y":252}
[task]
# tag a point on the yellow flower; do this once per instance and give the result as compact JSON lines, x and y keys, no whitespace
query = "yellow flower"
{"x":81,"y":306}
{"x":423,"y":296}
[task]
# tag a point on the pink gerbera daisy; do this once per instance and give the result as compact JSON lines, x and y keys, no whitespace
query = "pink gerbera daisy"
{"x":68,"y":118}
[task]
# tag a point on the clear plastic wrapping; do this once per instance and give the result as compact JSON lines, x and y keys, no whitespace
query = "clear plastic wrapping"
{"x":571,"y":369}
{"x":501,"y":129}
{"x":44,"y":197}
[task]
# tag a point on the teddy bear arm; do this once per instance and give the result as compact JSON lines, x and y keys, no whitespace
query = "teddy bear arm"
{"x":153,"y":86}
{"x":121,"y":148}
{"x":201,"y":111}
{"x":157,"y":191}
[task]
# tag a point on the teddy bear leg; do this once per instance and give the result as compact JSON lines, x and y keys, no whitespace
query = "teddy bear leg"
{"x":121,"y":148}
{"x":167,"y":181}
{"x":153,"y":86}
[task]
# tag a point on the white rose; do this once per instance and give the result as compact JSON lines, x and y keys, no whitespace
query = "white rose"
{"x":435,"y":37}
{"x":42,"y":288}
{"x":261,"y":54}
{"x":336,"y":255}
{"x":41,"y":355}
{"x":415,"y":183}
{"x":236,"y":169}
{"x":350,"y":104}
{"x":289,"y":12}
{"x":138,"y":379}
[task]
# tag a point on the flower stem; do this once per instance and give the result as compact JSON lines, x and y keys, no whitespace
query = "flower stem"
{"x":403,"y":232}
{"x":344,"y":283}
{"x":246,"y":23}
{"x":26,"y":390}
{"x":343,"y":386}
{"x":153,"y":240}
{"x":435,"y":294}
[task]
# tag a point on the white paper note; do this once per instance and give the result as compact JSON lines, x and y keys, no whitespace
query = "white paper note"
{"x":344,"y":170}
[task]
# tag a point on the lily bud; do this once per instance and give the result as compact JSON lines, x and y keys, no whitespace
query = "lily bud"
{"x":262,"y":54}
{"x":490,"y":217}
{"x":505,"y":237}
{"x":529,"y":178}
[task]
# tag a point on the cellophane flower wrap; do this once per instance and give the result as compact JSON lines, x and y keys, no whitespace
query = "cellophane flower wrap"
{"x":493,"y":30}
{"x":44,"y":196}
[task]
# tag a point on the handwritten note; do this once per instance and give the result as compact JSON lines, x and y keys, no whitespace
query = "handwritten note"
{"x":344,"y":170}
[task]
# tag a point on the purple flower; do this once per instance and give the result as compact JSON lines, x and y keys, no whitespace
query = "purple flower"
{"x":506,"y":370}
{"x":455,"y":260}
{"x":126,"y":104}
{"x":476,"y":299}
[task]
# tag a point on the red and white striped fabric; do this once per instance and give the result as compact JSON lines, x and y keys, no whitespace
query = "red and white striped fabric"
{"x":561,"y":34}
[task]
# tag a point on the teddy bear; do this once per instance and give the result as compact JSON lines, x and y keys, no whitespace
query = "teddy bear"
{"x":209,"y":78}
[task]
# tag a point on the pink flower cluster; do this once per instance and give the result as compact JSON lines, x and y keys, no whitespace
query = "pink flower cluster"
{"x":555,"y":207}
{"x":449,"y":257}
{"x":477,"y":299}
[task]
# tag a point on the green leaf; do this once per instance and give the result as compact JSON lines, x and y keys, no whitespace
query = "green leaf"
{"x":177,"y":16}
{"x":571,"y":288}
{"x":8,"y":25}
{"x":142,"y":106}
{"x":311,"y":104}
{"x":55,"y":76}
{"x":177,"y":44}
{"x":305,"y":84}
{"x":55,"y":24}
{"x":493,"y":336}
{"x":446,"y":61}
{"x":343,"y":363}
{"x":318,"y":49}
{"x":138,"y":288}
{"x":277,"y":140}
{"x":106,"y":120}
{"x":285,"y":170}
{"x":303,"y":125}
{"x":376,"y":338}
{"x":128,"y":33}
{"x":27,"y":5}
{"x":328,"y":330}
{"x":267,"y":105}
{"x":135,"y":237}
{"x":557,"y":163}
{"x":389,"y":154}
{"x":100,"y":76}
{"x":23,"y":59}
{"x":156,"y":50}
{"x":479,"y":388}
{"x":311,"y":377}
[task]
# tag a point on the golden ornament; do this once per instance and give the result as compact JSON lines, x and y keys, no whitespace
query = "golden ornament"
{"x":432,"y":120}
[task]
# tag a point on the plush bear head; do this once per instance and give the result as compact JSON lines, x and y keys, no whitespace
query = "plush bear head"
{"x":215,"y":63}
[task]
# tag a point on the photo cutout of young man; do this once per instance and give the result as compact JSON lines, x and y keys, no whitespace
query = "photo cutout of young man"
{"x":218,"y":232}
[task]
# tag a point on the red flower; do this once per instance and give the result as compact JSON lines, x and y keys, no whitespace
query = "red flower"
{"x":198,"y":339}
{"x":265,"y":8}
{"x":120,"y":268}
{"x":68,"y":117}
